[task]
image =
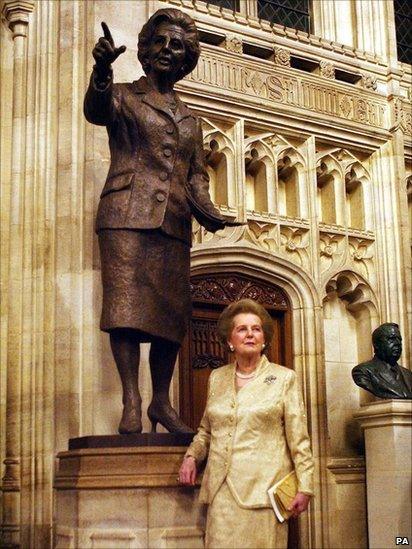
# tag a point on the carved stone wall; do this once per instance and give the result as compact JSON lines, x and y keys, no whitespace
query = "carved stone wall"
{"x":307,"y":140}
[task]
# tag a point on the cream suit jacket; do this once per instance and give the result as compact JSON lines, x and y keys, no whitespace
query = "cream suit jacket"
{"x":253,"y":437}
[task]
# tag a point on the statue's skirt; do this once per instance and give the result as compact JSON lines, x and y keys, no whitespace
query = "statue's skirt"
{"x":146,"y":286}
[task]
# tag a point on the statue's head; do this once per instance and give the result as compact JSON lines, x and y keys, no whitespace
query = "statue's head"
{"x":177,"y":26}
{"x":387,"y":342}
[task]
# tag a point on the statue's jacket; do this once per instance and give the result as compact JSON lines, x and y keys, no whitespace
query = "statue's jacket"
{"x":156,"y":153}
{"x":254,"y":437}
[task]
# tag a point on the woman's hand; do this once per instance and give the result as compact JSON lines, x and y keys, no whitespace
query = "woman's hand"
{"x":188,"y":471}
{"x":299,"y":504}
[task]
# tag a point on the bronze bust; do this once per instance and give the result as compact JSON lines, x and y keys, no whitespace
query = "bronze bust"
{"x":156,"y":181}
{"x":382,"y":375}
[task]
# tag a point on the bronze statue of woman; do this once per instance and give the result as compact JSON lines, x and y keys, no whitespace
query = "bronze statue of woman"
{"x":156,"y":181}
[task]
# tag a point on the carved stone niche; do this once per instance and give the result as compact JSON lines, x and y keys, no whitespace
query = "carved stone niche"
{"x":354,"y":201}
{"x":328,"y":175}
{"x":291,"y":187}
{"x":219,"y":153}
{"x":217,"y":170}
{"x":352,"y":289}
{"x":259,"y":169}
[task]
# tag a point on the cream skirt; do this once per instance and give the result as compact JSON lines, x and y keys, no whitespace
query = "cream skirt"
{"x":229,"y":526}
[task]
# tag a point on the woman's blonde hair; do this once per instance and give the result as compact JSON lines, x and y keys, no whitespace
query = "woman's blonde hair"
{"x":225,"y":322}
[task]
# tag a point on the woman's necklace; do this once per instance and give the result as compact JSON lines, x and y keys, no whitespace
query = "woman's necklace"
{"x":244,"y":376}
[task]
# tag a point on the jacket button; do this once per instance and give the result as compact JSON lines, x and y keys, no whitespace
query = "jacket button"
{"x":160,"y":197}
{"x":170,"y":130}
{"x":167,"y":153}
{"x":163,"y":176}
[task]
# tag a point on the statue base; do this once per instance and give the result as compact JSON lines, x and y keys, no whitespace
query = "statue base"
{"x":125,"y":496}
{"x":138,"y":439}
{"x":387,"y":425}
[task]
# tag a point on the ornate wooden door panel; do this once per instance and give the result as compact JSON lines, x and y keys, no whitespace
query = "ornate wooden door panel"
{"x":201,"y":350}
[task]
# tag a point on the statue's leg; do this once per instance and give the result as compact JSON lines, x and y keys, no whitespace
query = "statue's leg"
{"x":162,"y":360}
{"x":126,"y":352}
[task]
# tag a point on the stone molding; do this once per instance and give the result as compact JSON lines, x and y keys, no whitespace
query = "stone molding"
{"x":255,"y":81}
{"x":347,"y":470}
{"x":385,"y":412}
{"x":16,"y":13}
{"x":152,"y":538}
{"x":297,"y":37}
{"x":136,"y":467}
{"x":11,"y":477}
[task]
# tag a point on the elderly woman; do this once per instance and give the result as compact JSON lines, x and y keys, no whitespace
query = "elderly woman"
{"x":156,"y":180}
{"x":254,"y":433}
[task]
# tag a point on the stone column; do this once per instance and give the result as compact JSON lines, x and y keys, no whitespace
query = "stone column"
{"x":16,"y":14}
{"x":375,"y":28}
{"x":388,"y":173}
{"x":333,"y":20}
{"x":387,"y":425}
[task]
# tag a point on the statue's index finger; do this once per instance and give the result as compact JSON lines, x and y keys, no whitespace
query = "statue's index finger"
{"x":107,"y":33}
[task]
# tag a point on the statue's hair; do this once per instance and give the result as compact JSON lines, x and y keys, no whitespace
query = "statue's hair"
{"x":381,"y":331}
{"x":225,"y":322}
{"x":191,"y":38}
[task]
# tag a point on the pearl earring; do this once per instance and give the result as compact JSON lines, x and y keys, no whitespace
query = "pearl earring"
{"x":263,"y":345}
{"x":231,"y":347}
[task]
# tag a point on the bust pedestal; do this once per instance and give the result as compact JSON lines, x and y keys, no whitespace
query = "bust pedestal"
{"x":125,"y":497}
{"x":387,"y":425}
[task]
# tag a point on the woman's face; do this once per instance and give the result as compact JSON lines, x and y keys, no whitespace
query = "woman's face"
{"x":167,"y":51}
{"x":247,"y":335}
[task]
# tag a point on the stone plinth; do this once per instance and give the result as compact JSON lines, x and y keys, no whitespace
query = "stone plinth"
{"x":125,"y":497}
{"x":387,"y":425}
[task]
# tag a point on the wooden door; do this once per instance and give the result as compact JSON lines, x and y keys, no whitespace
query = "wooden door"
{"x":201,"y":350}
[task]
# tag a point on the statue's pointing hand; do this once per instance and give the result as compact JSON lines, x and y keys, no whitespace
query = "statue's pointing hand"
{"x":105,"y":51}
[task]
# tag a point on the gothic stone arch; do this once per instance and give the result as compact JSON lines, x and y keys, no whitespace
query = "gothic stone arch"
{"x":307,"y":350}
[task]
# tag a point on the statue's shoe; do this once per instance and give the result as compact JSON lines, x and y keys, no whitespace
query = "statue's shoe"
{"x":131,"y":421}
{"x":164,"y":414}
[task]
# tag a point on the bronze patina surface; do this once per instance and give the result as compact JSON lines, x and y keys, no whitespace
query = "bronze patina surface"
{"x":382,"y":375}
{"x":156,"y":181}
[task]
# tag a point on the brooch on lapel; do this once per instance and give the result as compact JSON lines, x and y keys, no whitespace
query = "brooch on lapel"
{"x":269,"y":379}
